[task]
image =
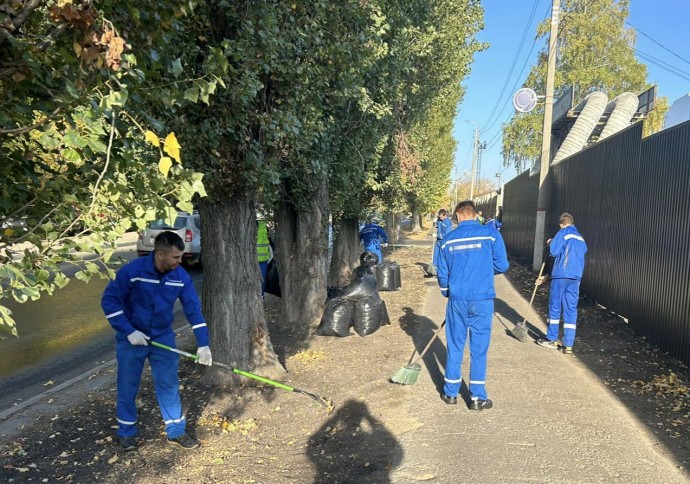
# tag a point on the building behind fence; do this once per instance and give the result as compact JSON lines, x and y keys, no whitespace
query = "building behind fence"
{"x":630,"y":198}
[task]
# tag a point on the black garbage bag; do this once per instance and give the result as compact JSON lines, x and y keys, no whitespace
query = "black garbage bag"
{"x":385,"y":319}
{"x":396,"y":272}
{"x":337,"y":318}
{"x":368,"y":316}
{"x":385,"y":277}
{"x":272,"y":279}
{"x":388,"y":276}
{"x":332,"y":292}
{"x":368,"y":259}
{"x":362,"y":284}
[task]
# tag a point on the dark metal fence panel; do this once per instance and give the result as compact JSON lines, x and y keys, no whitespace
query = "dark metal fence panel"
{"x":594,"y":186}
{"x":659,"y":295}
{"x":630,"y":199}
{"x":487,"y":204}
{"x":520,"y":214}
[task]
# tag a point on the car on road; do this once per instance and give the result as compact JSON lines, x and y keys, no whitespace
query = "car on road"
{"x":186,"y":225}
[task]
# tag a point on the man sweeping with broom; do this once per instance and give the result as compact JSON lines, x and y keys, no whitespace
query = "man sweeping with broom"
{"x":469,"y":258}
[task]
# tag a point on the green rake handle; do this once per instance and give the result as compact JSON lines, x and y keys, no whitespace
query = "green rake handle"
{"x":323,"y":401}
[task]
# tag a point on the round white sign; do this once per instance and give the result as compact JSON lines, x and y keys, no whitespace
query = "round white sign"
{"x":525,"y":100}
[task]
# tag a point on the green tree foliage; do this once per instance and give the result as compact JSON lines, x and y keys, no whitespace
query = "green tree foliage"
{"x":83,"y":158}
{"x":426,"y":95}
{"x":595,"y":53}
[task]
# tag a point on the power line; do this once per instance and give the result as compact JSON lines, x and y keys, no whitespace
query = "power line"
{"x":512,"y":67}
{"x":658,"y":43}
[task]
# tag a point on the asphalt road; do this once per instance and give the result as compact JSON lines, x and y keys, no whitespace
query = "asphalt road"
{"x":61,"y":336}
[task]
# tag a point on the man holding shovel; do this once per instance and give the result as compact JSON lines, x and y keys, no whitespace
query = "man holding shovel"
{"x":470,"y":256}
{"x":138,"y":304}
{"x":569,"y":248}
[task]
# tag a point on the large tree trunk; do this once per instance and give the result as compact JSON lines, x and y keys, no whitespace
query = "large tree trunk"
{"x":346,"y":252}
{"x":302,"y":254}
{"x":415,"y":222}
{"x":231,"y":294}
{"x":392,"y":227}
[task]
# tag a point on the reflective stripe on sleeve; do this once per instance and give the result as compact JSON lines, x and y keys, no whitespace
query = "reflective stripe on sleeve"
{"x":143,"y":279}
{"x":112,"y":315}
{"x":196,"y":326}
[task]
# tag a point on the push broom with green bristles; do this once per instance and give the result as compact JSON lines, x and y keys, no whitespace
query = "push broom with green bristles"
{"x":408,"y":374}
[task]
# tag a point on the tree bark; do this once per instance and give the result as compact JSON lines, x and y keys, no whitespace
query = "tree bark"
{"x":302,"y":254}
{"x":415,"y":222}
{"x":346,"y":251}
{"x":392,"y":227}
{"x":231,"y":293}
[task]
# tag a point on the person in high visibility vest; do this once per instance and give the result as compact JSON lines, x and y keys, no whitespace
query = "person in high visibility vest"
{"x":263,"y":251}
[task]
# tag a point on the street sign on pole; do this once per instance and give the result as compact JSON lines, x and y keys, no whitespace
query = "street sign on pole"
{"x":524,"y":100}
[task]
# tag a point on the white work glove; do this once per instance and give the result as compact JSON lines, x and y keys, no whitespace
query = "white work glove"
{"x":137,"y":338}
{"x":385,"y":244}
{"x":204,"y":354}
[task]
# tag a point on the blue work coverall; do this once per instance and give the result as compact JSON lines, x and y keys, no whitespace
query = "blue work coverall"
{"x":371,"y":236}
{"x":569,"y":248}
{"x":142,"y":298}
{"x":470,"y":256}
{"x":443,"y":227}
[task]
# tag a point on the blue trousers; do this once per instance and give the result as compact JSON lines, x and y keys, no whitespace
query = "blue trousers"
{"x":437,"y":252}
{"x":563,"y":296}
{"x":264,"y":270}
{"x":463,"y":318}
{"x":164,"y":364}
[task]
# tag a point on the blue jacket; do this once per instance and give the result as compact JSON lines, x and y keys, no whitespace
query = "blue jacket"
{"x":569,"y":248}
{"x":141,"y":298}
{"x":470,"y":257}
{"x":443,"y":227}
{"x":369,"y":235}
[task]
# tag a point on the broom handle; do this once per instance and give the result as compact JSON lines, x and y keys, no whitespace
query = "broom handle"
{"x":534,"y":292}
{"x":428,"y":345}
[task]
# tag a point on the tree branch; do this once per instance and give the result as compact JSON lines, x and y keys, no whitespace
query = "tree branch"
{"x":33,"y":126}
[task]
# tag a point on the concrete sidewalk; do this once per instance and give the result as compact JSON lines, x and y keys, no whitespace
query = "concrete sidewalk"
{"x":553,"y":419}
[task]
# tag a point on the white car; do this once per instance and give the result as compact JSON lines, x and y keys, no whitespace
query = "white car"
{"x":187,"y":226}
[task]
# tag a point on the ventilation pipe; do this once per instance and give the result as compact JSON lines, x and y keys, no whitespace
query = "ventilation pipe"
{"x":623,"y":109}
{"x":591,"y":110}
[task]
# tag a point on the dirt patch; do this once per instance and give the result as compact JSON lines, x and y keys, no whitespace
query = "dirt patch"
{"x":653,"y":385}
{"x":251,"y":433}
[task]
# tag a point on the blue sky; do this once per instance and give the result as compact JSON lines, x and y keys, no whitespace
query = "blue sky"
{"x":665,"y":21}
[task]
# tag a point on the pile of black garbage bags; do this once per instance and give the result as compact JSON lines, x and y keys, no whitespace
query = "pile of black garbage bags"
{"x":359,"y":305}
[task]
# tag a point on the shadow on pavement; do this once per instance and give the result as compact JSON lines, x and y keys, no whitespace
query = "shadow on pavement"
{"x":510,"y":318}
{"x":353,"y":446}
{"x":421,"y":329}
{"x":649,"y":382}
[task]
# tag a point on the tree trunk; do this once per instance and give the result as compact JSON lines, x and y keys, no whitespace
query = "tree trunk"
{"x":302,"y":254}
{"x":392,"y":227}
{"x":231,"y":293}
{"x":346,"y":253}
{"x":415,"y":222}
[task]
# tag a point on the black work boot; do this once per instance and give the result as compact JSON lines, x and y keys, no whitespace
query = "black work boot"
{"x":128,"y":443}
{"x":184,"y":441}
{"x":449,"y":400}
{"x":477,"y":404}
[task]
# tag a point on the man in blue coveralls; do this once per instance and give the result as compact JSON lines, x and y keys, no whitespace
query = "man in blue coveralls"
{"x":569,"y":249}
{"x":138,"y":304}
{"x":443,"y":226}
{"x":470,"y":256}
{"x":371,"y":236}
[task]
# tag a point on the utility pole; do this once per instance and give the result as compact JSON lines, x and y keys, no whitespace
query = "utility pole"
{"x":481,"y":147}
{"x":546,"y":140}
{"x":474,"y":158}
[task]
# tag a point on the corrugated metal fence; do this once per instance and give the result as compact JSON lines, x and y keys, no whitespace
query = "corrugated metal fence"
{"x":630,"y":199}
